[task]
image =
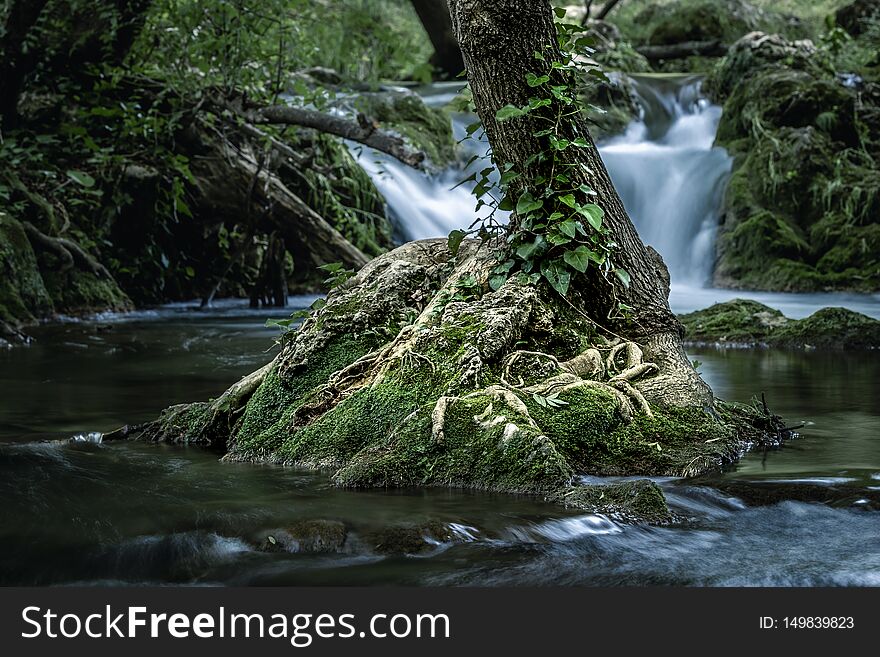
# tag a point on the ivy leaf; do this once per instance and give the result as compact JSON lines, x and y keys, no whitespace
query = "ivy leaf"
{"x":536,"y":80}
{"x":593,"y":213}
{"x":508,"y":177}
{"x":568,"y":227}
{"x":623,"y":275}
{"x":454,"y":241}
{"x":497,"y":281}
{"x":528,"y":203}
{"x":510,"y":112}
{"x":559,"y":11}
{"x":569,"y":200}
{"x":81,"y":178}
{"x":529,"y":249}
{"x":578,"y":259}
{"x":557,"y":275}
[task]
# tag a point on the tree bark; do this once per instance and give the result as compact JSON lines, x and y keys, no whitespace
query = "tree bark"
{"x":434,"y":15}
{"x":498,"y":39}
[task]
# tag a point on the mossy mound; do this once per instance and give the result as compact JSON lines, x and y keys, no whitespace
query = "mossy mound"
{"x":802,"y":208}
{"x":748,"y":323}
{"x":428,"y":129}
{"x":416,"y":373}
{"x":857,"y":17}
{"x":23,"y":295}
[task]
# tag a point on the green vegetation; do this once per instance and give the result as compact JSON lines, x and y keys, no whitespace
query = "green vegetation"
{"x":749,"y":323}
{"x":802,"y":206}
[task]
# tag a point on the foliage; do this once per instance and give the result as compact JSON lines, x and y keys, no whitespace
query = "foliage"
{"x":554,"y":236}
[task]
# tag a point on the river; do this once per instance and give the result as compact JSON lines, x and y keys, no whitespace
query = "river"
{"x":76,"y":510}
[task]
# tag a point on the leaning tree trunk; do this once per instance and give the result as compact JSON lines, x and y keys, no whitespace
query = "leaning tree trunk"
{"x":499,"y":39}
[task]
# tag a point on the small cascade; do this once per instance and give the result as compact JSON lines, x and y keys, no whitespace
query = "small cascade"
{"x":668,"y":173}
{"x":670,"y":176}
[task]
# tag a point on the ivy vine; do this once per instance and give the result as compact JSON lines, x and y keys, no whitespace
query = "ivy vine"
{"x":555,"y":236}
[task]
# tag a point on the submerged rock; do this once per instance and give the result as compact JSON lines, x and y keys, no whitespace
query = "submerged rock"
{"x":748,"y":323}
{"x":306,"y":536}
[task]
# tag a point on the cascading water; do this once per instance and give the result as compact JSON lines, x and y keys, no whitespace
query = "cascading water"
{"x":664,"y":167}
{"x":670,"y":176}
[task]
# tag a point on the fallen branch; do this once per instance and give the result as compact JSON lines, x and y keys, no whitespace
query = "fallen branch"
{"x":682,"y":50}
{"x":363,"y":130}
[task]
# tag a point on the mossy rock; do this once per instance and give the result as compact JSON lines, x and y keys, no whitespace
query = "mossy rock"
{"x":759,"y":51}
{"x":404,"y":379}
{"x":748,"y":323}
{"x":802,"y":205}
{"x":316,"y":536}
{"x":640,"y":500}
{"x":23,"y":295}
{"x":617,"y":100}
{"x":427,"y":128}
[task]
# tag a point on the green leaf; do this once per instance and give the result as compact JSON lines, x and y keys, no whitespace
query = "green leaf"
{"x":559,"y":11}
{"x":578,"y":259}
{"x":536,"y":80}
{"x":569,"y":200}
{"x":454,"y":241}
{"x":528,"y":203}
{"x":623,"y":275}
{"x":81,"y":178}
{"x":568,"y":227}
{"x":497,"y":281}
{"x":557,"y":275}
{"x":510,"y":112}
{"x":508,"y":177}
{"x":593,"y":213}
{"x":529,"y":249}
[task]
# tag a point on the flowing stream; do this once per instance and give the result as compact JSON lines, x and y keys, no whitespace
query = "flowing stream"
{"x":77,"y":510}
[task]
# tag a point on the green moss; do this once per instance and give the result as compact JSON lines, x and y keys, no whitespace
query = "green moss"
{"x":830,"y":328}
{"x":265,"y":423}
{"x":749,"y":322}
{"x":740,"y":320}
{"x":23,"y":296}
{"x":802,"y":206}
{"x":428,"y":129}
{"x":344,"y":194}
{"x":640,"y":500}
{"x":77,"y":292}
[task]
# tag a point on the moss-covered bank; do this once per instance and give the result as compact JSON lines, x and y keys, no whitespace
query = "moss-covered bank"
{"x":802,"y":209}
{"x":748,"y":323}
{"x":416,"y":374}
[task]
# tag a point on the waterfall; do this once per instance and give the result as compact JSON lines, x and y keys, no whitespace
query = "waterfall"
{"x":664,"y":166}
{"x":670,"y":176}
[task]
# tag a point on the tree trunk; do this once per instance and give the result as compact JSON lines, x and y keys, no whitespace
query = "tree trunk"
{"x":435,"y":19}
{"x":498,"y":39}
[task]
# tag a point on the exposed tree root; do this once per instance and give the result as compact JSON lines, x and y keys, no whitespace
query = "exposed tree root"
{"x":69,"y":252}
